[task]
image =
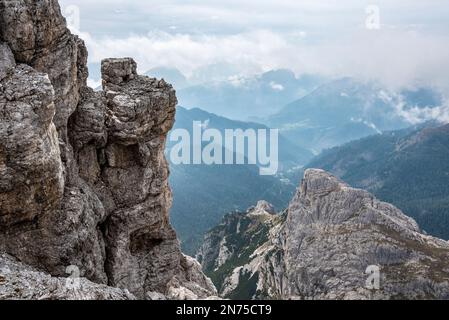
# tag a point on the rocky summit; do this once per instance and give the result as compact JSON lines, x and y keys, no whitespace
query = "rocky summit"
{"x":83,"y":177}
{"x":333,"y":242}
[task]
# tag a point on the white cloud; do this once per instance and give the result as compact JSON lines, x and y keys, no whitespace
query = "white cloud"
{"x":396,"y":58}
{"x":252,"y":52}
{"x":276,"y":86}
{"x":366,"y":123}
{"x":310,"y":36}
{"x":325,"y":16}
{"x":415,"y":114}
{"x":237,"y":81}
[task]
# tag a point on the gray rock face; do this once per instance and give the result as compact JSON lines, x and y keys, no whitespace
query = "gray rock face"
{"x":350,"y":230}
{"x":84,"y":180}
{"x":37,"y":34}
{"x":7,"y":62}
{"x":21,"y":282}
{"x":336,"y":242}
{"x":29,"y":151}
{"x":228,"y":251}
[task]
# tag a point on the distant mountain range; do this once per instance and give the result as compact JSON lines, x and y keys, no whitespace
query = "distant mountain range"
{"x":313,"y":112}
{"x":361,"y":133}
{"x":171,"y":75}
{"x":290,"y":155}
{"x":346,"y":110}
{"x":321,"y":117}
{"x":407,"y":168}
{"x":240,"y":98}
{"x":203,"y":194}
{"x":250,"y":255}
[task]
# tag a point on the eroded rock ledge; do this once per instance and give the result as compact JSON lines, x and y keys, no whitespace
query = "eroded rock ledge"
{"x":83,"y":177}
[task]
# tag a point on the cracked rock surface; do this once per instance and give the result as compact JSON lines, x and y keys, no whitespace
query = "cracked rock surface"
{"x":83,"y":177}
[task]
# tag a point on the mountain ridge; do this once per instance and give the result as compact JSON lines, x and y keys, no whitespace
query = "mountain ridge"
{"x":407,"y":168}
{"x":346,"y":109}
{"x":322,"y":246}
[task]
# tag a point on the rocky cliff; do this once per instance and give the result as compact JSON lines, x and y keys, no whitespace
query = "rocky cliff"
{"x":83,"y":177}
{"x":333,"y":242}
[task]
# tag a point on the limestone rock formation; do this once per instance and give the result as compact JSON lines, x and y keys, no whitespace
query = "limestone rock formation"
{"x":83,"y":177}
{"x":29,"y":151}
{"x":333,"y":242}
{"x":37,"y":34}
{"x":21,"y":282}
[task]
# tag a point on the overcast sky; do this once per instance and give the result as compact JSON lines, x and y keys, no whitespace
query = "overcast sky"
{"x":335,"y":38}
